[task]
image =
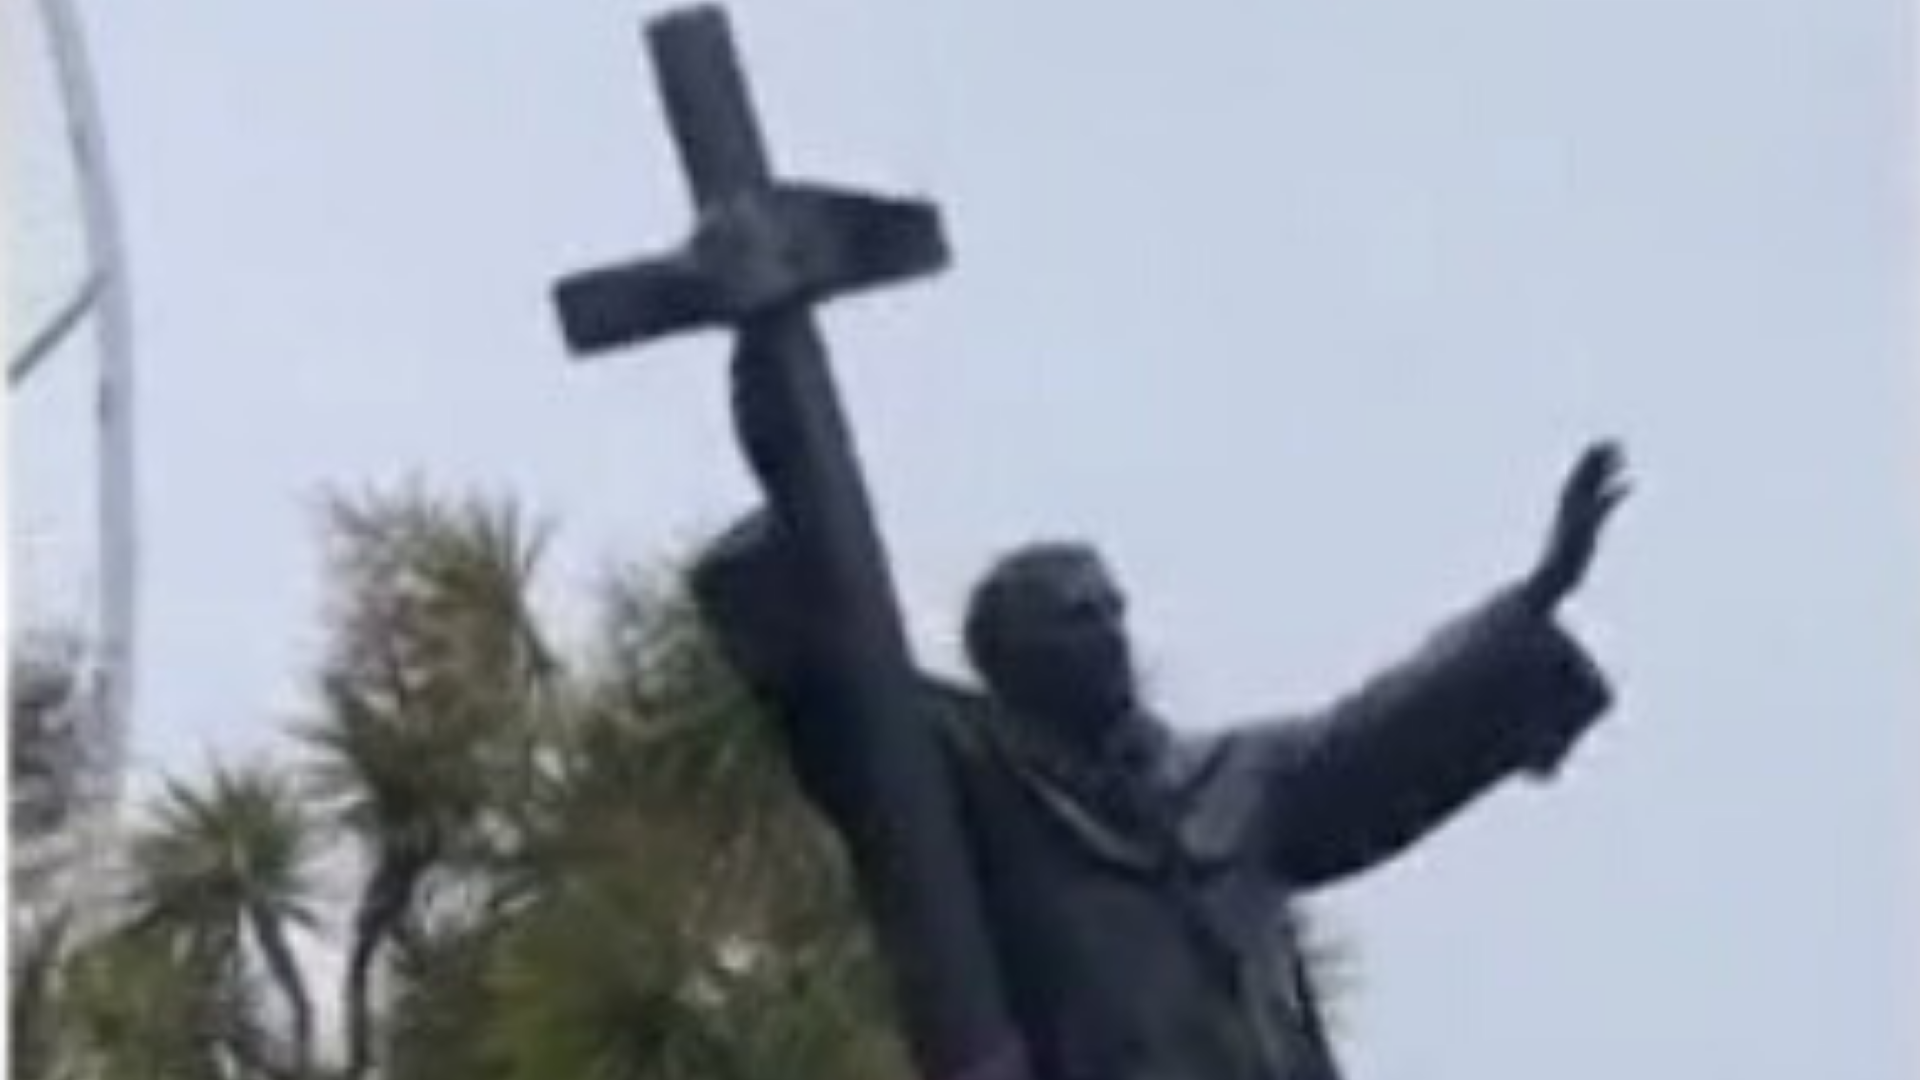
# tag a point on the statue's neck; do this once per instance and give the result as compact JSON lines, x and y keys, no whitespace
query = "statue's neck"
{"x":1128,"y":740}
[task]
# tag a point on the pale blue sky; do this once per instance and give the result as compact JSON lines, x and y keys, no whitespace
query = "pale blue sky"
{"x":1298,"y":307}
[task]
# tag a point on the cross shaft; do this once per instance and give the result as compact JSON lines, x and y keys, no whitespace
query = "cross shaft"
{"x":763,"y":253}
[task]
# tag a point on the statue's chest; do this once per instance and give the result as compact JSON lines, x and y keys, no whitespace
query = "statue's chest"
{"x":1188,"y":817}
{"x":1181,"y":846}
{"x":1149,"y":917}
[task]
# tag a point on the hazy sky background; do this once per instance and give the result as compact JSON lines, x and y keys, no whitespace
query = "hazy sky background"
{"x":1299,"y":307}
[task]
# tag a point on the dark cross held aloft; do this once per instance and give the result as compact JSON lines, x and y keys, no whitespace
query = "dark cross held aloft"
{"x":763,"y":252}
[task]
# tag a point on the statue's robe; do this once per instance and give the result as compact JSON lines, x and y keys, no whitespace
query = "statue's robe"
{"x":1139,"y":898}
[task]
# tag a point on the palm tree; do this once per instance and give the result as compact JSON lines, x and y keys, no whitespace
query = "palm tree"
{"x":597,"y":863}
{"x":434,"y":674}
{"x":222,"y":873}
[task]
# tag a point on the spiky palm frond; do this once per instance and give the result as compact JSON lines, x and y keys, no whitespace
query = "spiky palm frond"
{"x":595,"y":980}
{"x":238,"y":845}
{"x":681,"y":912}
{"x":673,"y":733}
{"x":435,"y":663}
{"x":813,"y":1012}
{"x":443,"y":1001}
{"x":432,"y":690}
{"x":225,"y":870}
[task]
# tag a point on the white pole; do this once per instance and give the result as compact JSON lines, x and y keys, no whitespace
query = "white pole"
{"x":113,"y":668}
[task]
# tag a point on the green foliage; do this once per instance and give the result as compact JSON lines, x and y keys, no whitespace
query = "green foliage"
{"x":434,"y":670}
{"x":138,"y":1007}
{"x":214,"y":857}
{"x":33,"y":1035}
{"x":516,"y":864}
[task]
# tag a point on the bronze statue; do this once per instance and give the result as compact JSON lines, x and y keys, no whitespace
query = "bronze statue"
{"x":1136,"y":881}
{"x":1067,"y":887}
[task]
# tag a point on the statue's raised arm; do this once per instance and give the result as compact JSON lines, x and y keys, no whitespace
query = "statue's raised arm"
{"x":1502,"y":690}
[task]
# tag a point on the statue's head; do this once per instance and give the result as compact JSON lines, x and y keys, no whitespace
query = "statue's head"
{"x":1046,"y":629}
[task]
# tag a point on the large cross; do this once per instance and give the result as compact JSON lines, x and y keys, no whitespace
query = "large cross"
{"x":763,"y":253}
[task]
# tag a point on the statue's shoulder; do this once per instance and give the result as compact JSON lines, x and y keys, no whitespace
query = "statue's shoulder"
{"x":1232,"y":758}
{"x":1191,"y":758}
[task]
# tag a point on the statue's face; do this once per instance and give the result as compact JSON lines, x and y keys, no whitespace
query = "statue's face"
{"x":1062,"y":643}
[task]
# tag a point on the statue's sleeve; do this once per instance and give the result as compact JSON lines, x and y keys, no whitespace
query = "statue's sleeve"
{"x":1502,"y":689}
{"x":753,"y":604}
{"x":752,"y":599}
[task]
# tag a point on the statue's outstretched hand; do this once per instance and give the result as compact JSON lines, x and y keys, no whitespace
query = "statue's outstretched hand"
{"x":1593,"y":489}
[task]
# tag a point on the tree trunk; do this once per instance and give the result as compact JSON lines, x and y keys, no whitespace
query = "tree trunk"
{"x":271,"y":935}
{"x":388,"y":895}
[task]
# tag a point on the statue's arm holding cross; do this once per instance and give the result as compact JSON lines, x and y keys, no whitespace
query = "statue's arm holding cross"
{"x":765,"y":251}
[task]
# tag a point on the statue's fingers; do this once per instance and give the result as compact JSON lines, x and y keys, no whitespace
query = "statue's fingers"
{"x":1609,"y":460}
{"x":1610,"y":499}
{"x":1600,"y":466}
{"x":1613,"y":464}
